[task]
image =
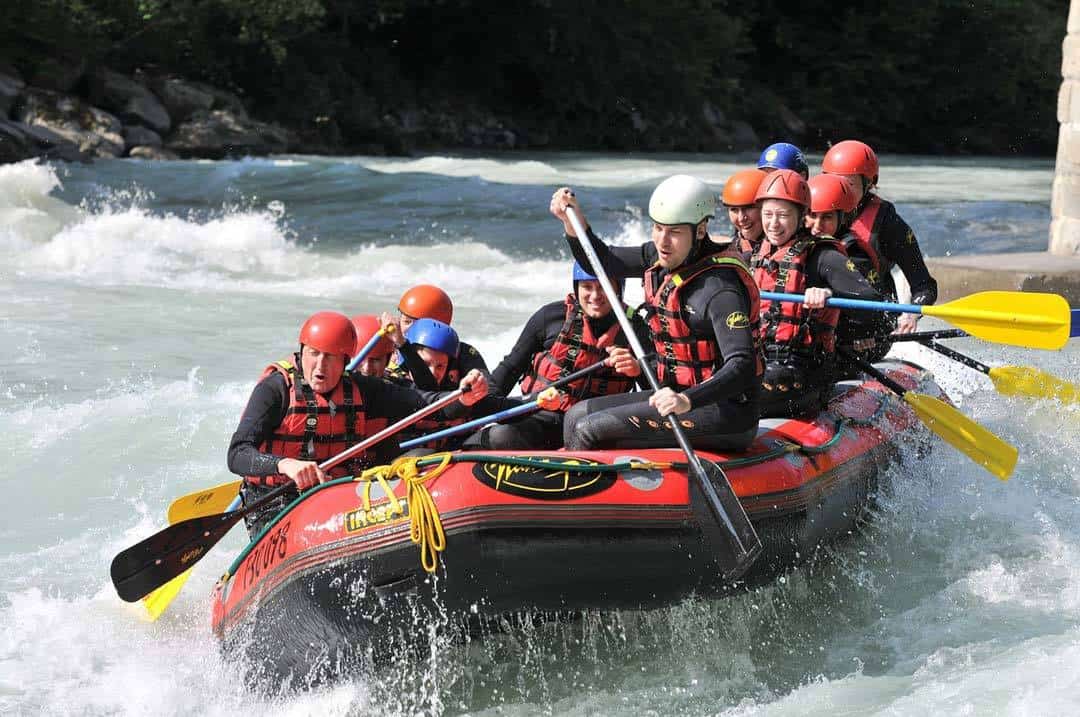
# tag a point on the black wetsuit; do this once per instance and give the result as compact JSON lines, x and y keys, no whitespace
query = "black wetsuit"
{"x":897,"y":246}
{"x":543,"y":429}
{"x":724,"y":413}
{"x":798,"y":380}
{"x":266,"y":409}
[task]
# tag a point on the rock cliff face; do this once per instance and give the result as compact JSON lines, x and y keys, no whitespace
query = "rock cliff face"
{"x":145,"y":117}
{"x":73,"y":113}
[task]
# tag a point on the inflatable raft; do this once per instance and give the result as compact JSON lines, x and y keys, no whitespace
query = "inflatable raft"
{"x":342,"y":570}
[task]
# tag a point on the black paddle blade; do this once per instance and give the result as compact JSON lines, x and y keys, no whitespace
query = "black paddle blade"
{"x":146,"y":566}
{"x":731,"y":539}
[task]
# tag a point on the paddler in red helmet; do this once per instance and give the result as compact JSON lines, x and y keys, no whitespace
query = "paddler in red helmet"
{"x":306,"y":409}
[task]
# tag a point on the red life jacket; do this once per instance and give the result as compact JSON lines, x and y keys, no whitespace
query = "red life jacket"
{"x":685,"y":359}
{"x":576,"y":348}
{"x":312,"y":429}
{"x":400,"y":375}
{"x":864,"y":246}
{"x":787,"y":324}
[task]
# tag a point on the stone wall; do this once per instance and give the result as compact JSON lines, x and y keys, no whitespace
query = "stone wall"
{"x":1065,"y":201}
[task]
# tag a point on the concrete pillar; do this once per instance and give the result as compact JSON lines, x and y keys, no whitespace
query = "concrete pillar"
{"x":1065,"y":198}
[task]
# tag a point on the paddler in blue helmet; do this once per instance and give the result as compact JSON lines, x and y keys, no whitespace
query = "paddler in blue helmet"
{"x":783,"y":155}
{"x":559,"y":339}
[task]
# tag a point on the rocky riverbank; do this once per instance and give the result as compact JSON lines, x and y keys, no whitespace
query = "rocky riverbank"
{"x":75,"y":114}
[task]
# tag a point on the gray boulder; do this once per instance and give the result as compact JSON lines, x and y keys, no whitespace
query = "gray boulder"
{"x":132,"y":102}
{"x":152,"y":153}
{"x":139,"y":136}
{"x":94,"y":131}
{"x":221,"y":133}
{"x":182,"y":98}
{"x":19,"y":141}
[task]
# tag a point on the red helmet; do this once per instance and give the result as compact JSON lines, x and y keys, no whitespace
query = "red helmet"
{"x":329,"y":332}
{"x":367,"y":326}
{"x":741,"y":187}
{"x":427,"y":302}
{"x":851,"y":157}
{"x":831,"y":192}
{"x":785,"y":184}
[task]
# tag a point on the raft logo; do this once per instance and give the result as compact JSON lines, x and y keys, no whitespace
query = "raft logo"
{"x":737,"y":320}
{"x":386,"y":512}
{"x":566,"y":478}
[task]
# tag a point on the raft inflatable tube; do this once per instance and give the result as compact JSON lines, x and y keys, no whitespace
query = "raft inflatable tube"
{"x":336,"y":575}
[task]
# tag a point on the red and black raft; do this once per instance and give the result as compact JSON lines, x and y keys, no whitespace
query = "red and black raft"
{"x":338,"y":574}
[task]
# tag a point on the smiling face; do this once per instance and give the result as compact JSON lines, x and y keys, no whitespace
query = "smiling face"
{"x":780,"y":218}
{"x":322,"y":370}
{"x":592,"y":299}
{"x":746,"y":220}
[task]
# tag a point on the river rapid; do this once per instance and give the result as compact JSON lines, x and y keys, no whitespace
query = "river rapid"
{"x":141,"y":300}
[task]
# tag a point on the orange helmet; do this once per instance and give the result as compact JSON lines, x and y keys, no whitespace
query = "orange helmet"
{"x":851,"y":157}
{"x":367,"y":326}
{"x":741,"y":187}
{"x":785,"y":184}
{"x":427,"y":302}
{"x":329,"y":332}
{"x":831,"y":192}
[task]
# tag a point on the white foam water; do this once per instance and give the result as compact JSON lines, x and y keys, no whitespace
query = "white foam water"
{"x":141,"y":301}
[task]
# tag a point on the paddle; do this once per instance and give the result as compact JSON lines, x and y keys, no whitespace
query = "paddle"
{"x":956,"y":429}
{"x":924,"y":335}
{"x":1075,"y":331}
{"x":735,"y":543}
{"x":204,"y":502}
{"x":369,"y":346}
{"x":158,"y":600}
{"x":1020,"y":318}
{"x":1016,"y":380}
{"x":506,"y":413}
{"x":158,"y":559}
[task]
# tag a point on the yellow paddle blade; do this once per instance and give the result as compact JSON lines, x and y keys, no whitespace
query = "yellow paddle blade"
{"x":158,"y":600}
{"x":1033,"y":383}
{"x":205,"y":502}
{"x":1019,"y":318}
{"x":963,"y":434}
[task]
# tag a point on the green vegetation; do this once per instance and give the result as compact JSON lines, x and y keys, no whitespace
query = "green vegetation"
{"x":938,"y":76}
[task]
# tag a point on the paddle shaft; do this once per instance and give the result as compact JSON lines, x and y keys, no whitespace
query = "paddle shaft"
{"x":848,"y":303}
{"x":922,"y":336}
{"x":366,"y":350}
{"x":873,"y":371}
{"x":523,"y":409}
{"x":1074,"y":330}
{"x":696,"y":469}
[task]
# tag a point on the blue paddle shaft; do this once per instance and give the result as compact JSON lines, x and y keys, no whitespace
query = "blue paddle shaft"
{"x":475,"y":423}
{"x":848,"y":303}
{"x":1075,"y":330}
{"x":364,"y":351}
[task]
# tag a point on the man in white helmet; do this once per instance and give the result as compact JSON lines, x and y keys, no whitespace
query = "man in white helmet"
{"x":703,"y":311}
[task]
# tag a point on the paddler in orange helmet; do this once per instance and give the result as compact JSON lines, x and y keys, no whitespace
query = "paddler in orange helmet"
{"x":743,"y":211}
{"x":374,"y":364}
{"x":306,"y":409}
{"x":428,"y":302}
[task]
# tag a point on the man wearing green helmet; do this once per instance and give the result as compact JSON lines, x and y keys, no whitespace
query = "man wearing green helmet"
{"x":703,"y":313}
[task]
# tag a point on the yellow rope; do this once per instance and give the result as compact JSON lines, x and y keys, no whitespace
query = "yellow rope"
{"x":425,"y":527}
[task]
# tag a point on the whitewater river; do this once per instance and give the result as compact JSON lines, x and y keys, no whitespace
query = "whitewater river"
{"x":140,"y":301}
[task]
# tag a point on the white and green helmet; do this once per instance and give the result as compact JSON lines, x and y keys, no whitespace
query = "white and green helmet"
{"x":681,"y":199}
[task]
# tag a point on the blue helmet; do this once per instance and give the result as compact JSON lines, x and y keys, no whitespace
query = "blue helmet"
{"x":434,"y":335}
{"x":580,"y":274}
{"x":783,"y":155}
